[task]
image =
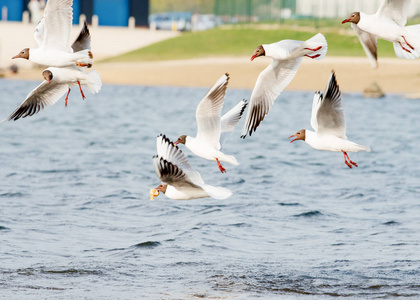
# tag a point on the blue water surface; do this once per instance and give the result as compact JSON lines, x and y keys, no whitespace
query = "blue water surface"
{"x":76,"y":221}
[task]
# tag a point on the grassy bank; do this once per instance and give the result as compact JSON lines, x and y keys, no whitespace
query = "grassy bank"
{"x":241,"y":41}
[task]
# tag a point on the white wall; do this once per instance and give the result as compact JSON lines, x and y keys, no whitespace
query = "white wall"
{"x":342,"y":8}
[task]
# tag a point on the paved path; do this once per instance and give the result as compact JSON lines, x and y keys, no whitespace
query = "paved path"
{"x":106,"y":41}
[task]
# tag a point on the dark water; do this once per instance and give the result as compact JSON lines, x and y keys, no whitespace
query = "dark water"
{"x":76,"y":221}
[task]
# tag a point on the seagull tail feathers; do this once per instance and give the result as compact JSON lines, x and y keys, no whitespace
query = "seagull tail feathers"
{"x":93,"y":81}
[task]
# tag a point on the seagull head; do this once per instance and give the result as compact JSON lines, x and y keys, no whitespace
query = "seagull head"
{"x":181,"y":140}
{"x":354,"y":18}
{"x":259,"y":51}
{"x":48,"y":76}
{"x":300,"y":135}
{"x":22,"y":54}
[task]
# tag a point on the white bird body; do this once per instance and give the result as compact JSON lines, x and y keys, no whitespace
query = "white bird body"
{"x":53,"y":37}
{"x":179,"y":180}
{"x":382,"y":27}
{"x":286,"y":58}
{"x":212,"y":129}
{"x":329,"y":123}
{"x":72,"y":75}
{"x":60,"y":59}
{"x":206,"y":150}
{"x":388,"y":23}
{"x":330,"y":142}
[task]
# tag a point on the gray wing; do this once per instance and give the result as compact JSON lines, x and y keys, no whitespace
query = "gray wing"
{"x":369,"y":44}
{"x":171,"y":174}
{"x":39,"y":33}
{"x":230,"y":119}
{"x":208,"y":113}
{"x":44,"y":95}
{"x":270,"y":83}
{"x":397,"y":10}
{"x":83,"y":40}
{"x":330,"y":114}
{"x":171,"y":153}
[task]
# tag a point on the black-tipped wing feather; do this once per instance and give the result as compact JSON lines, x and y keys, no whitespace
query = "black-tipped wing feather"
{"x":44,"y":95}
{"x":83,"y":40}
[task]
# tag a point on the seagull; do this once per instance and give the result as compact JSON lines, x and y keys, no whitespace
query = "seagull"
{"x":286,"y":58}
{"x":53,"y":37}
{"x":212,"y":129}
{"x":179,"y":180}
{"x":387,"y":23}
{"x":329,"y":124}
{"x":57,"y":81}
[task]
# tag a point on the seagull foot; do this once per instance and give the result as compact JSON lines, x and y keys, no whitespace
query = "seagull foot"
{"x":412,"y":48}
{"x":405,"y":49}
{"x":314,"y":49}
{"x":67,"y":97}
{"x":81,"y":92}
{"x":313,"y":56}
{"x":80,"y":64}
{"x":348,"y":161}
{"x":223,"y":170}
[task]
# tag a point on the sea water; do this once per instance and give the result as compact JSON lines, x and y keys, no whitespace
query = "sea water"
{"x":76,"y":221}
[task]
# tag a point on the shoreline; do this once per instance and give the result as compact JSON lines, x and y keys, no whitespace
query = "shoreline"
{"x":353,"y":74}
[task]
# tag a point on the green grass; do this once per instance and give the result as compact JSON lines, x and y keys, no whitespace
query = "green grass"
{"x":241,"y":41}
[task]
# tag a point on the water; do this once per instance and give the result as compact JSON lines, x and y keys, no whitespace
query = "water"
{"x":76,"y":221}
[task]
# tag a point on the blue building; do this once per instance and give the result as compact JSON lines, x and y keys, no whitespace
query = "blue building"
{"x":109,"y":12}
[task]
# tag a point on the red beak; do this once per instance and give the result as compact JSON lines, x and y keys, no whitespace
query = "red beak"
{"x":253,"y":56}
{"x":293,"y":136}
{"x":176,"y":143}
{"x":345,"y":21}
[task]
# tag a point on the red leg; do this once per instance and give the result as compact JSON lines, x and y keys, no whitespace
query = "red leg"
{"x":81,"y":92}
{"x":223,"y":170}
{"x":347,"y":160}
{"x":412,"y":48}
{"x":315,"y":49}
{"x":404,"y":48}
{"x":313,"y":56}
{"x":67,"y":97}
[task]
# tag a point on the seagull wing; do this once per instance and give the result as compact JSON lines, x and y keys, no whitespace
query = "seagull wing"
{"x":329,"y":111}
{"x":171,"y":153}
{"x":270,"y":83}
{"x":396,"y":10}
{"x":39,"y":32}
{"x":58,"y":16}
{"x":369,"y":44}
{"x":44,"y":95}
{"x":83,"y":40}
{"x":230,"y":119}
{"x":208,"y":113}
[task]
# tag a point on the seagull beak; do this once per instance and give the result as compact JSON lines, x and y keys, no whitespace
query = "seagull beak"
{"x":345,"y":21}
{"x":295,"y":135}
{"x":176,"y":143}
{"x":253,"y":57}
{"x":16,"y":56}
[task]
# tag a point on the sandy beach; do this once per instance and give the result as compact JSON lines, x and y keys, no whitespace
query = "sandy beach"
{"x":354,"y":74}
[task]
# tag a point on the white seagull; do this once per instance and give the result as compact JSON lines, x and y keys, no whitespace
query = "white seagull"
{"x":329,"y":124}
{"x":211,"y":127}
{"x":59,"y":80}
{"x":179,"y":180}
{"x":53,"y":37}
{"x":286,"y":58}
{"x":387,"y":23}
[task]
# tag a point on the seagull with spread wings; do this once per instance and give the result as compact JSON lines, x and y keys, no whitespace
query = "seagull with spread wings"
{"x":179,"y":180}
{"x":212,"y":129}
{"x":329,"y":124}
{"x":53,"y":37}
{"x":387,"y":23}
{"x":286,"y":58}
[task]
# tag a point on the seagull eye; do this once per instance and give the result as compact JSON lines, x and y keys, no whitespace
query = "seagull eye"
{"x":353,"y":15}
